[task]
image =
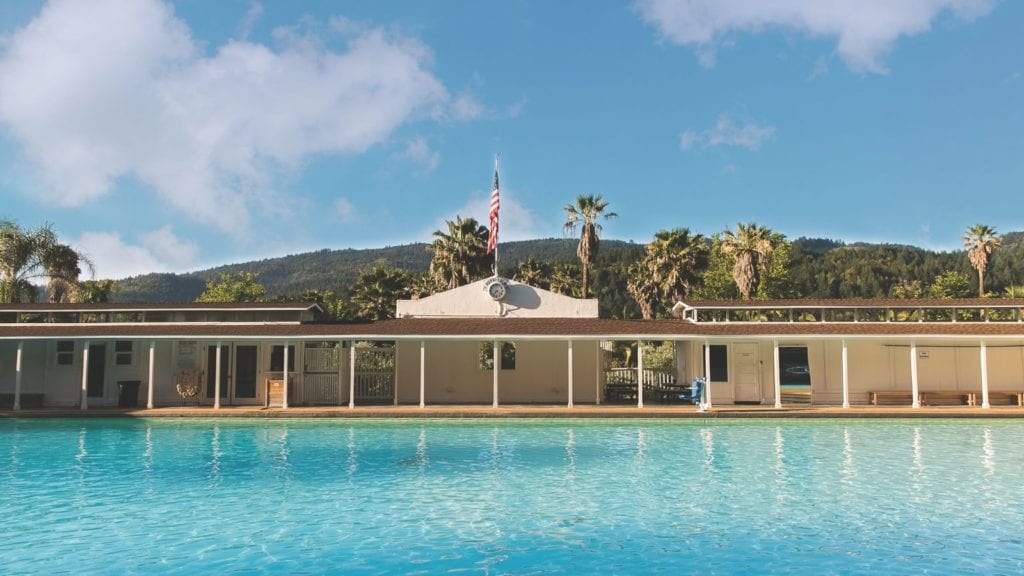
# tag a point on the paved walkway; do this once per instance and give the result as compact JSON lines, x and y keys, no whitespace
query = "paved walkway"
{"x":529,"y":411}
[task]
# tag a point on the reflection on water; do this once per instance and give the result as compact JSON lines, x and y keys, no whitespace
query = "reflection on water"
{"x":988,"y":453}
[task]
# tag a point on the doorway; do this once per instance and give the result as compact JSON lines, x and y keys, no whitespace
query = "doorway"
{"x":238,"y":373}
{"x":96,"y":378}
{"x":748,"y":371}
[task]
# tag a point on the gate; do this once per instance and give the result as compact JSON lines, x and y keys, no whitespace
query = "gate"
{"x":322,"y":373}
{"x":375,"y":375}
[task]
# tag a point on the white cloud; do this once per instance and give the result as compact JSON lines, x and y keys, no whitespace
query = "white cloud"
{"x":418,"y":151}
{"x":516,"y":222}
{"x":252,"y":15}
{"x":865,"y":30}
{"x":724,"y":133}
{"x":467,"y":107}
{"x":345,"y":210}
{"x":157,"y":251}
{"x":100,"y":90}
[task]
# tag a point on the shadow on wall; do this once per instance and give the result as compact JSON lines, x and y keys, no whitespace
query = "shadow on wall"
{"x":523,"y":296}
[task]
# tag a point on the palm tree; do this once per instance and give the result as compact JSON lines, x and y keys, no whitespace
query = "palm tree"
{"x":460,"y":255}
{"x":981,"y":240}
{"x":26,"y":255}
{"x":586,"y":212}
{"x":534,"y":272}
{"x":1014,"y":292}
{"x":751,"y":248}
{"x":643,"y":288}
{"x":564,"y":279}
{"x":674,"y":260}
{"x":375,"y":292}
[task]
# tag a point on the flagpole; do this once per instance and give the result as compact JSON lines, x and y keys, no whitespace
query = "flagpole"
{"x":496,"y":157}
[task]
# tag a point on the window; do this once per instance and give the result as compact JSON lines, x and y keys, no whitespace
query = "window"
{"x":123,"y":353}
{"x":508,"y":356}
{"x":277,"y":359}
{"x":719,"y":363}
{"x":65,"y":352}
{"x":794,"y":370}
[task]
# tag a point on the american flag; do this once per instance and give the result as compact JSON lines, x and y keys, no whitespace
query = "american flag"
{"x":492,"y":242}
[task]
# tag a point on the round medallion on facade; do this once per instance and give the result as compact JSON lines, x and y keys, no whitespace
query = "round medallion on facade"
{"x":496,"y":288}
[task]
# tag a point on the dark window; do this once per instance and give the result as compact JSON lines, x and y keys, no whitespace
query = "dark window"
{"x":123,"y":352}
{"x":277,"y":359}
{"x":65,"y":352}
{"x":719,"y":363}
{"x":794,"y":370}
{"x":508,"y":356}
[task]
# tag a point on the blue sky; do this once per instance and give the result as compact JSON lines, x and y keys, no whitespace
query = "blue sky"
{"x":171,"y":136}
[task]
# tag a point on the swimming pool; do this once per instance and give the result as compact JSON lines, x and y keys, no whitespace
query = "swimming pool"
{"x":565,"y":496}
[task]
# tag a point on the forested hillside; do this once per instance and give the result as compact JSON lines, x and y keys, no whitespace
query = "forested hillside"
{"x":820,"y":268}
{"x":336,"y":270}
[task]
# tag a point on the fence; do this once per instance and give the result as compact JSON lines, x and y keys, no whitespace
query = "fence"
{"x":656,"y":377}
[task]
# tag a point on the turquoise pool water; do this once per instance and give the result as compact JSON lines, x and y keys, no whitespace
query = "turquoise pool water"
{"x":525,"y":497}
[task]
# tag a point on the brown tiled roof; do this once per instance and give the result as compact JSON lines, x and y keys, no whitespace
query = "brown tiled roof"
{"x":154,"y":306}
{"x":860,"y":303}
{"x":438,"y":328}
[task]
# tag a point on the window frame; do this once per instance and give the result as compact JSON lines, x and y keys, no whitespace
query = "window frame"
{"x":120,"y":354}
{"x":509,"y":351}
{"x":60,"y":355}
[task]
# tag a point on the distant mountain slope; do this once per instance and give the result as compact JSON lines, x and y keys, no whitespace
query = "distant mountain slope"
{"x":820,"y":268}
{"x":333,"y":269}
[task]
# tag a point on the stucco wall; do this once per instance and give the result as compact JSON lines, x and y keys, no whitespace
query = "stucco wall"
{"x":453,"y":375}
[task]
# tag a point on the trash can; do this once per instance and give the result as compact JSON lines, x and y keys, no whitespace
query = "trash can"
{"x":128,"y":393}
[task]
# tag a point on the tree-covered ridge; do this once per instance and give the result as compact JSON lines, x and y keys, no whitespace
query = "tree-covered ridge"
{"x":337,"y":270}
{"x":805,"y":267}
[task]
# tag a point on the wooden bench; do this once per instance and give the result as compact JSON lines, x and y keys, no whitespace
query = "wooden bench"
{"x":879,"y":396}
{"x":935,"y":398}
{"x":1010,"y":398}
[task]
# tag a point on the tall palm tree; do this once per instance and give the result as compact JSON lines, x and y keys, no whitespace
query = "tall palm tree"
{"x":585,"y":213}
{"x":460,"y":254}
{"x":26,"y":255}
{"x":642,"y":287}
{"x":751,"y":248}
{"x":981,"y":240}
{"x":674,"y":260}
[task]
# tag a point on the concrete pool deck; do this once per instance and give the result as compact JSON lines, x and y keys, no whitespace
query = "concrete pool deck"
{"x":527,"y":411}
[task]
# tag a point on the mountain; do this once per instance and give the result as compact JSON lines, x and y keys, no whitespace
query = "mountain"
{"x":336,"y":269}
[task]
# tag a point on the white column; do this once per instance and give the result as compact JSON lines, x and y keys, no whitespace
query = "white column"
{"x":570,"y":373}
{"x":85,"y":376}
{"x":598,"y":366}
{"x":639,"y":374}
{"x":913,"y":376}
{"x":707,"y":374}
{"x":423,"y":371}
{"x":17,"y":377}
{"x":497,"y":365}
{"x":778,"y":376}
{"x":284,"y":373}
{"x":846,"y":375}
{"x":984,"y":376}
{"x":152,"y":371}
{"x":216,"y":379}
{"x":352,"y":374}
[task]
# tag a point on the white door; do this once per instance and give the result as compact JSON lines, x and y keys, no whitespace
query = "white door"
{"x":747,"y":361}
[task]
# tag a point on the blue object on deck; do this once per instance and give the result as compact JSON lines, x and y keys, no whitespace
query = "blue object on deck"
{"x":697,"y":390}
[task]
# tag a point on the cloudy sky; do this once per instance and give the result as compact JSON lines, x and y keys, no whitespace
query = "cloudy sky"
{"x":170,"y":136}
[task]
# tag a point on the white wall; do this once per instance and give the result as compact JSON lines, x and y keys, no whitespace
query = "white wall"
{"x":453,"y":375}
